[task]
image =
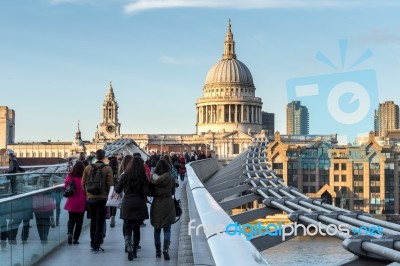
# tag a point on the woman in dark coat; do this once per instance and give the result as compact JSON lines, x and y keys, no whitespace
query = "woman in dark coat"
{"x":162,"y":212}
{"x":135,"y":185}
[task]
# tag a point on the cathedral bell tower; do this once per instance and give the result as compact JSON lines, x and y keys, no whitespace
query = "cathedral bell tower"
{"x":109,"y":128}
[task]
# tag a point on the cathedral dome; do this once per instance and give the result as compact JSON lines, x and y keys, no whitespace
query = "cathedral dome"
{"x":229,"y":71}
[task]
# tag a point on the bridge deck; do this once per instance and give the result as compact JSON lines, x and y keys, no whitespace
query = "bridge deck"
{"x":114,"y":248}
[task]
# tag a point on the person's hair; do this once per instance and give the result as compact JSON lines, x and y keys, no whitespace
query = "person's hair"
{"x":137,"y":154}
{"x":135,"y":176}
{"x":78,"y":168}
{"x":124,"y":163}
{"x":167,"y":158}
{"x":100,"y":154}
{"x":162,"y":167}
{"x":81,"y":156}
{"x":113,"y":163}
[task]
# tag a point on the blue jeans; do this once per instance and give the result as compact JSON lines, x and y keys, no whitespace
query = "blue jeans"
{"x":157,"y":234}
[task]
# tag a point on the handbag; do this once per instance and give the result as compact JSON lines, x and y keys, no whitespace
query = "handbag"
{"x":114,"y":199}
{"x":178,"y":208}
{"x":70,"y":188}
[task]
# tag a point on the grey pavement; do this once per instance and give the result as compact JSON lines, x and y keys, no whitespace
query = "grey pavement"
{"x":114,"y":248}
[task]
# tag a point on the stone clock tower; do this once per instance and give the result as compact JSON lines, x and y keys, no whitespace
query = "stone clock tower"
{"x":109,"y":128}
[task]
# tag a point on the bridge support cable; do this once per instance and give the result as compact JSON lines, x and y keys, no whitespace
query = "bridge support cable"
{"x":375,"y":249}
{"x":338,"y":219}
{"x":385,"y":247}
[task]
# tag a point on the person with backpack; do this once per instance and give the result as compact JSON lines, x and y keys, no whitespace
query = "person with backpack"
{"x":13,"y":168}
{"x":97,"y":179}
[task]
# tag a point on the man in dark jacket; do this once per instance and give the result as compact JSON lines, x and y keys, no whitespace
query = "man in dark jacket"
{"x":97,"y":202}
{"x":14,"y":168}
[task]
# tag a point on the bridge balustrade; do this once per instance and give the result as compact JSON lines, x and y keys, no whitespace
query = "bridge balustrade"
{"x":30,"y":215}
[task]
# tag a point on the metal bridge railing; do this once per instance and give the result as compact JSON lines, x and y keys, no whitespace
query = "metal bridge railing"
{"x":32,"y":213}
{"x":226,"y":249}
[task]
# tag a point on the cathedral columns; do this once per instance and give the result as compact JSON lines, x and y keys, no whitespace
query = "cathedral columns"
{"x":197,"y":115}
{"x":236,"y":111}
{"x":257,"y":114}
{"x":241,"y":115}
{"x":229,"y":119}
{"x":253,"y":113}
{"x":208,"y":113}
{"x":214,"y":113}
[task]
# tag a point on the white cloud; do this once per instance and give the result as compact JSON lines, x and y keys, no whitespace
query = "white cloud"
{"x":174,"y":60}
{"x":142,"y":5}
{"x":90,"y":2}
{"x":383,"y":36}
{"x":135,"y":6}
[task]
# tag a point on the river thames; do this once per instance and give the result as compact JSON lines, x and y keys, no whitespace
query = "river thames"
{"x":315,"y":250}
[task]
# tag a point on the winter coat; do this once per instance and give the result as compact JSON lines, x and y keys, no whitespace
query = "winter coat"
{"x":77,"y":202}
{"x":107,"y":173}
{"x":133,"y":204}
{"x":162,"y":211}
{"x":14,"y":167}
{"x":182,"y":162}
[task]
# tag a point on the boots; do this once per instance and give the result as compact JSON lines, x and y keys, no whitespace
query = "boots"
{"x":166,"y":249}
{"x":69,"y":239}
{"x":135,"y":246}
{"x":112,"y":221}
{"x":158,"y":250}
{"x":128,"y":247}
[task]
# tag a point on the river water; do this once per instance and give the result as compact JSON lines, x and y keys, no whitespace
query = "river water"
{"x":315,"y":250}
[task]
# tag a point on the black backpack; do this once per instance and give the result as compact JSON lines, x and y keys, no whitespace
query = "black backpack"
{"x":95,"y":181}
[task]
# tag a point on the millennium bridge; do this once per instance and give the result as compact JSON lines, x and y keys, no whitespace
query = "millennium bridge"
{"x":211,"y":230}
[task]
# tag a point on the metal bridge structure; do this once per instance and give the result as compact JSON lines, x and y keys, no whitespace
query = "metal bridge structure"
{"x":211,"y":230}
{"x":249,"y":178}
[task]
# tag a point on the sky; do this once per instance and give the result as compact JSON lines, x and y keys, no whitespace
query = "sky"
{"x":57,"y":58}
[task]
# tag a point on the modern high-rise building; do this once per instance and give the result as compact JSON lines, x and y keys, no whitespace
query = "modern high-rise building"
{"x":386,"y":118}
{"x":268,"y":122}
{"x":296,"y":119}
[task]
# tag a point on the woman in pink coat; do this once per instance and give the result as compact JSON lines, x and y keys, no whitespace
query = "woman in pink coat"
{"x":75,"y":204}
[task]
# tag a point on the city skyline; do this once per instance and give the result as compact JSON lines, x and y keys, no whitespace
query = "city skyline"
{"x":59,"y":56}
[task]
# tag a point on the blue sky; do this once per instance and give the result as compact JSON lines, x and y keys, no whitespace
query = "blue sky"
{"x":57,"y":57}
